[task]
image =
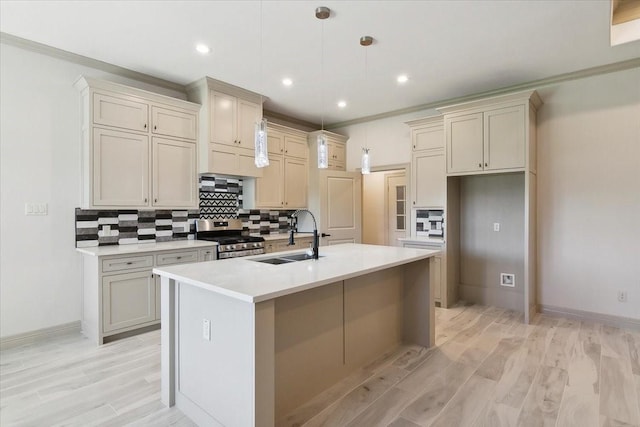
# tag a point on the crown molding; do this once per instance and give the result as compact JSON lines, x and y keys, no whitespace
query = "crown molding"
{"x":532,"y":85}
{"x":88,"y":62}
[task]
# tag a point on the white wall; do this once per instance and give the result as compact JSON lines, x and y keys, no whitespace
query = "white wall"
{"x":589,"y":194}
{"x":588,"y":188}
{"x":39,"y":162}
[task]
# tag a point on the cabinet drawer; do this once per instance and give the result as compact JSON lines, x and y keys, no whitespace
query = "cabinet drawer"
{"x":122,"y":112}
{"x":118,"y":264}
{"x":177,"y":258}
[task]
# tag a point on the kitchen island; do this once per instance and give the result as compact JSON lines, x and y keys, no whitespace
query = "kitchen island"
{"x":246,"y":342}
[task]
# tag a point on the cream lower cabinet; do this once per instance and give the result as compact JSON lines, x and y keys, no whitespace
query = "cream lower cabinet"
{"x":437,"y":273}
{"x":121,"y":294}
{"x":128,"y":300}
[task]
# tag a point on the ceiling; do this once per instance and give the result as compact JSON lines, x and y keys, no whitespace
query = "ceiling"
{"x":448,"y":49}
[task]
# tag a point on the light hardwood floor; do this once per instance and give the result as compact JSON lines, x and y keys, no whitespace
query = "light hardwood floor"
{"x":487,"y":369}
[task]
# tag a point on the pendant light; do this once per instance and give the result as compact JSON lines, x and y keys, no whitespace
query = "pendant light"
{"x":261,"y":150}
{"x":322,"y":13}
{"x":366,"y":161}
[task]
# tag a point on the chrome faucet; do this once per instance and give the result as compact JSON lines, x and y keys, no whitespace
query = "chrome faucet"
{"x":315,"y":231}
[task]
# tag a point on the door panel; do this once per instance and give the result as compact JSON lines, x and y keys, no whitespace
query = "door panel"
{"x":175,"y":179}
{"x":341,"y":206}
{"x":396,"y":209}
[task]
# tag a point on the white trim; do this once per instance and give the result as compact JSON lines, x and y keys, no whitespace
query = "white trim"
{"x":605,"y":319}
{"x":39,"y":335}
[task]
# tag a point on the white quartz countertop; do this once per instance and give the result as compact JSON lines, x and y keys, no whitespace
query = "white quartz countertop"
{"x":428,"y":240}
{"x":251,"y":281}
{"x":144,"y":247}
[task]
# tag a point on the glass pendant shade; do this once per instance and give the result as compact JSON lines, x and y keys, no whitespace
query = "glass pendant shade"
{"x":323,"y":152}
{"x":262,"y":153}
{"x":366,"y":166}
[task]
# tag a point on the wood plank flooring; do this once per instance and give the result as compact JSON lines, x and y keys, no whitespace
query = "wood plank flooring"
{"x":487,"y":369}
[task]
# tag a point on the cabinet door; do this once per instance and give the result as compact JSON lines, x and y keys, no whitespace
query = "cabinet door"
{"x":120,"y":168}
{"x":223,"y":118}
{"x":504,"y":138}
{"x":175,"y":178}
{"x":275,"y":142}
{"x":337,"y":156}
{"x":429,"y":179}
{"x":295,"y":183}
{"x":128,"y":300}
{"x":120,"y":111}
{"x":247,"y":163}
{"x":269,"y":191}
{"x":464,"y":143}
{"x":295,"y":146}
{"x":427,"y":137}
{"x":174,"y":122}
{"x":249,"y":114}
{"x":223,"y":159}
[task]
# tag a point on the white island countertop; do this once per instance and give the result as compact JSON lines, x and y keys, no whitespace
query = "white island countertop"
{"x":247,"y":280}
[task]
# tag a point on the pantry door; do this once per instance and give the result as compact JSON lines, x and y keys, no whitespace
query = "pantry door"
{"x":396,"y":208}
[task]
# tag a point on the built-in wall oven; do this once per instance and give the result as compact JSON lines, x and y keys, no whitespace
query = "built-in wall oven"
{"x":231,"y":242}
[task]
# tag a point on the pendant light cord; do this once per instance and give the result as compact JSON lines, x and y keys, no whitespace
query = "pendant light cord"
{"x":322,"y":73}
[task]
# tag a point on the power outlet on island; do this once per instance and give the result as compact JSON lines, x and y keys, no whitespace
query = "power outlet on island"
{"x":496,"y":226}
{"x":508,"y":280}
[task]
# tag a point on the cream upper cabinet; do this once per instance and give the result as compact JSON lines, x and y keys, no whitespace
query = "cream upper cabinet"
{"x":227,"y":127}
{"x":125,"y":161}
{"x":336,"y":150}
{"x":284,"y":182}
{"x":174,"y":122}
{"x":120,"y":166}
{"x":120,"y":111}
{"x":295,"y":183}
{"x":428,"y":177}
{"x":174,"y":166}
{"x":490,"y":136}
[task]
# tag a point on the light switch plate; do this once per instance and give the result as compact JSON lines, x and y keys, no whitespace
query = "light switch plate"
{"x":206,"y":329}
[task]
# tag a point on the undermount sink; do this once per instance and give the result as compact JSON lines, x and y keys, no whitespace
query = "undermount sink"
{"x":284,"y":259}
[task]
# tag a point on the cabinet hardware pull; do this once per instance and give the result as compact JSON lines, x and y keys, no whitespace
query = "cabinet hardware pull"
{"x":414,"y":202}
{"x":155,"y":200}
{"x":479,"y":165}
{"x":239,"y":142}
{"x":325,"y":235}
{"x":129,"y":263}
{"x":145,"y":125}
{"x":286,"y":151}
{"x":145,"y":200}
{"x":486,"y":165}
{"x":179,"y":257}
{"x":155,"y":127}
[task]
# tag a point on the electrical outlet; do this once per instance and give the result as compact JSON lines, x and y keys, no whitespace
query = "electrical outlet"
{"x":508,"y":280}
{"x":206,"y":329}
{"x":622,"y":296}
{"x":496,"y":226}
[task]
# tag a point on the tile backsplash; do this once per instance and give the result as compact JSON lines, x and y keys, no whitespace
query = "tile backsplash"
{"x":430,"y":223}
{"x":127,"y":226}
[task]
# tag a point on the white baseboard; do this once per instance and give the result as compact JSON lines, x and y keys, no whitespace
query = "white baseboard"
{"x":39,"y":335}
{"x":605,"y":319}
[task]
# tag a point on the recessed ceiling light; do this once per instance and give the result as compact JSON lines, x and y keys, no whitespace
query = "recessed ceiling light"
{"x":342,"y":104}
{"x":402,"y":78}
{"x":287,"y":81}
{"x":203,"y":48}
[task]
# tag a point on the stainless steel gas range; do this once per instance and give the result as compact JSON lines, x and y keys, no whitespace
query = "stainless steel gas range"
{"x":228,"y":234}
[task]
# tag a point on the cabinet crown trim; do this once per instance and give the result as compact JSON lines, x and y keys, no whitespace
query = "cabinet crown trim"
{"x":229,"y":89}
{"x":336,"y":136}
{"x":530,"y":96}
{"x":431,"y":120}
{"x":84,"y":82}
{"x":281,"y":128}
